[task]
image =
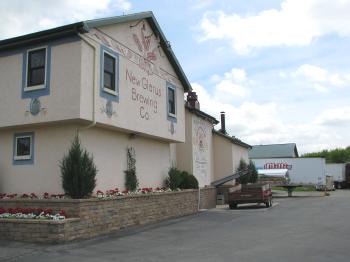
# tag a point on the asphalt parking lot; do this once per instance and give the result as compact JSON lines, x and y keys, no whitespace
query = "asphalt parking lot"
{"x":304,"y":228}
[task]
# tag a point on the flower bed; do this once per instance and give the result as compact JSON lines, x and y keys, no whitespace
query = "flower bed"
{"x":99,"y":194}
{"x":103,"y":214}
{"x":31,"y":213}
{"x":146,"y":190}
{"x":31,"y":196}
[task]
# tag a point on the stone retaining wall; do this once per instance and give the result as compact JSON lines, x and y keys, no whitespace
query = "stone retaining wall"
{"x":207,"y":198}
{"x":100,"y":216}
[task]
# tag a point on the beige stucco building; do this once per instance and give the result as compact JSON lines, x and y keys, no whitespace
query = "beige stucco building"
{"x":207,"y":153}
{"x":115,"y":81}
{"x":196,"y":154}
{"x":228,"y":151}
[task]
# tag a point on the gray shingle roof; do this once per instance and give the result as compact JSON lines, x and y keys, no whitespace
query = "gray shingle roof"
{"x":274,"y":151}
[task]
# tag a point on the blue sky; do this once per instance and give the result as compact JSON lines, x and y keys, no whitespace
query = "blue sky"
{"x":279,"y":69}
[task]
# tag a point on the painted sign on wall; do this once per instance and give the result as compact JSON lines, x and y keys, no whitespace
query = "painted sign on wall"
{"x":201,"y":150}
{"x":144,"y":93}
{"x":145,"y":60}
{"x":277,"y":166}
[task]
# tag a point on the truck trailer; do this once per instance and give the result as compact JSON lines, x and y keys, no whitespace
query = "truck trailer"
{"x":340,"y":173}
{"x":304,"y":171}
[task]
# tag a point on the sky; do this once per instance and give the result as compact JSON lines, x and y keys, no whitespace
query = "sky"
{"x":279,"y":69}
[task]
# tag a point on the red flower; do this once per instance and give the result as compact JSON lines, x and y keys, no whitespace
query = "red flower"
{"x":11,"y":195}
{"x":33,"y":195}
{"x":2,"y":210}
{"x":48,"y":211}
{"x":46,"y":195}
{"x":62,"y":213}
{"x":24,"y":196}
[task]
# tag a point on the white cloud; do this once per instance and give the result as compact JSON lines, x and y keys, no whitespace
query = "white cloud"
{"x":312,"y":73}
{"x":200,"y":4}
{"x":264,"y":123}
{"x":232,"y":85}
{"x":295,"y":23}
{"x":319,"y":78}
{"x":334,"y":117}
{"x":21,"y":17}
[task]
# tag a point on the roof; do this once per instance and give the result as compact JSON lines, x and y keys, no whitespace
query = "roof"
{"x":202,"y":114}
{"x":85,"y":26}
{"x":274,"y":151}
{"x":233,"y":139}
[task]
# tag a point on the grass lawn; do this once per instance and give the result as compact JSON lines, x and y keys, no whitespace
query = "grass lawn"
{"x":297,"y":189}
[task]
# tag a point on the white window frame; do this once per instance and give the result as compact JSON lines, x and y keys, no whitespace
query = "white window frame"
{"x":37,"y":87}
{"x":107,"y":90}
{"x":168,"y":107}
{"x":26,"y":157}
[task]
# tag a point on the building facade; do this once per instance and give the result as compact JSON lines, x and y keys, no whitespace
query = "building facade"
{"x":208,"y":154}
{"x":196,"y":155}
{"x":114,"y":81}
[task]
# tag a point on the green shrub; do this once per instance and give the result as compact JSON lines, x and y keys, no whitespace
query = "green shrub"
{"x":173,"y":181}
{"x":78,"y":171}
{"x":131,"y":181}
{"x":188,"y":181}
{"x":180,"y":179}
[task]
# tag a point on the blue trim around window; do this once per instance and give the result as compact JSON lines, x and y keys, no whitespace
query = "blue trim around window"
{"x":103,"y":93}
{"x":24,"y":161}
{"x":169,"y":117}
{"x":40,"y":92}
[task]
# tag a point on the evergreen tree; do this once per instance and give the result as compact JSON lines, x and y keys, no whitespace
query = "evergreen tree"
{"x":253,"y":173}
{"x":244,"y":172}
{"x":338,"y":155}
{"x":78,"y":171}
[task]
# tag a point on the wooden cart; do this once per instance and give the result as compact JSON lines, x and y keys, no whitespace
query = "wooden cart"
{"x":254,"y":193}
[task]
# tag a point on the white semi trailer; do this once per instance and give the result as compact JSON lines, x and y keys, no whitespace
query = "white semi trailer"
{"x":340,"y":173}
{"x":306,"y":171}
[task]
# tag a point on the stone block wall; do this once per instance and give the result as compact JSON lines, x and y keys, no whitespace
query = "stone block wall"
{"x":207,"y":198}
{"x":92,"y":217}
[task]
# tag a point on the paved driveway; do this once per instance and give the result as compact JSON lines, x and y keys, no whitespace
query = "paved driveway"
{"x":297,"y":229}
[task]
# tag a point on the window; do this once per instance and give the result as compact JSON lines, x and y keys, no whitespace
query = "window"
{"x":171,"y":101}
{"x":23,"y":147}
{"x":109,"y":76}
{"x":36,"y":67}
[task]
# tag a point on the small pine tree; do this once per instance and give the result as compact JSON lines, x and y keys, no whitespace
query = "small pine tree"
{"x":131,"y":181}
{"x":78,"y":171}
{"x":243,"y":170}
{"x":253,"y":173}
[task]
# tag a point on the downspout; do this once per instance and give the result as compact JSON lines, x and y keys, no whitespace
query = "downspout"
{"x":95,"y":84}
{"x":199,"y":198}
